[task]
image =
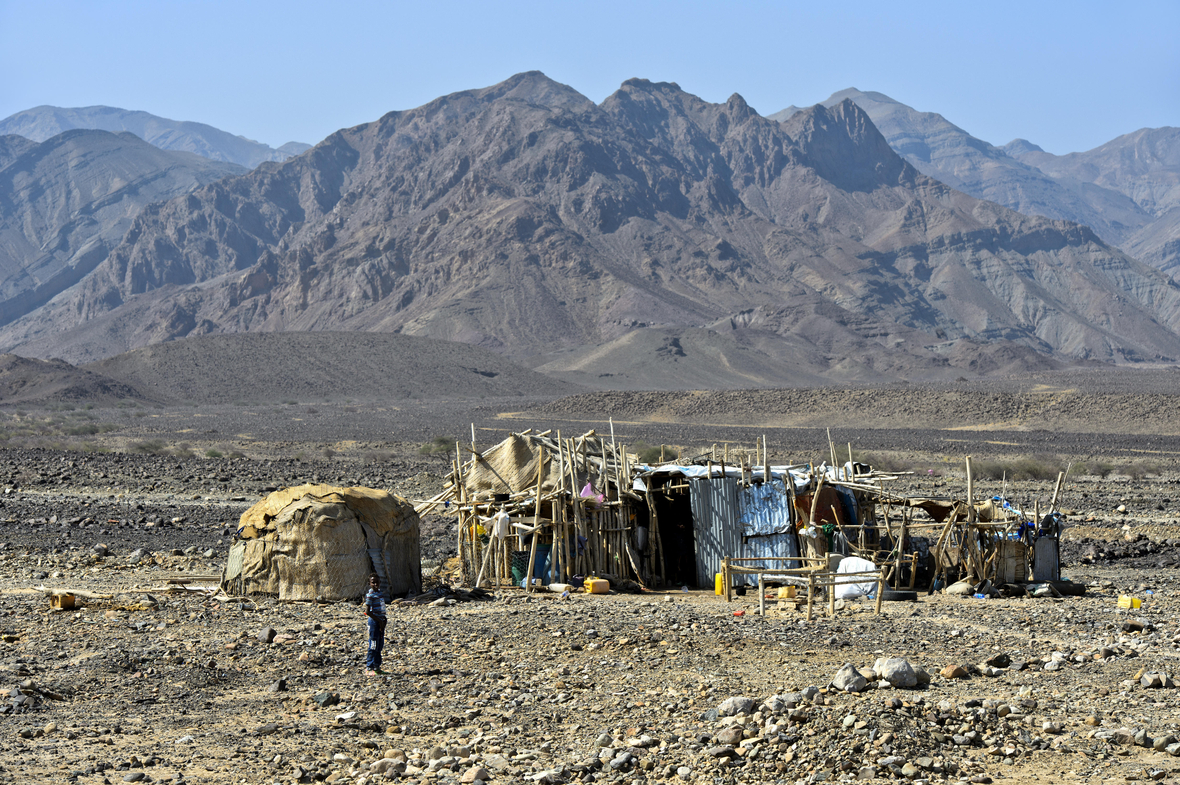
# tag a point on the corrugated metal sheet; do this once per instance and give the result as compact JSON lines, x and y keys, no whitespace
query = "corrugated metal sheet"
{"x":716,"y":516}
{"x":765,"y":509}
{"x":777,"y":545}
{"x":729,"y":520}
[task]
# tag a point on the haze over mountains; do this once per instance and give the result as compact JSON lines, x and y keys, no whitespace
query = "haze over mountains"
{"x":1127,"y":190}
{"x":42,"y":123}
{"x":653,"y":240}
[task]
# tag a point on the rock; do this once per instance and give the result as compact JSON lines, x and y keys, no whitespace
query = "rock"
{"x":910,"y":771}
{"x":267,"y":634}
{"x":1133,"y":625}
{"x":731,"y":707}
{"x":897,"y":671}
{"x":278,"y":686}
{"x":731,"y":735}
{"x":1161,"y":743}
{"x":136,"y":556}
{"x":953,"y":672}
{"x":849,"y":679}
{"x":721,"y":752}
{"x":1173,"y":750}
{"x":684,"y":772}
{"x":999,"y":661}
{"x":603,"y":740}
{"x":476,"y":773}
{"x":775,"y":704}
{"x":497,"y":763}
{"x":1156,"y":680}
{"x":326,"y":698}
{"x":867,"y":773}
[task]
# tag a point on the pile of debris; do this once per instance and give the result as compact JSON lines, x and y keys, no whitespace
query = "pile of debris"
{"x":447,"y":595}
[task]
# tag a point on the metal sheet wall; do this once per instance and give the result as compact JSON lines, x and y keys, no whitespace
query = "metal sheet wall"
{"x":723,"y":511}
{"x":716,"y":524}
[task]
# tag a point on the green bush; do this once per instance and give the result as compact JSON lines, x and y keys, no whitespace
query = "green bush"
{"x":651,"y":455}
{"x":212,"y":453}
{"x":151,"y":447}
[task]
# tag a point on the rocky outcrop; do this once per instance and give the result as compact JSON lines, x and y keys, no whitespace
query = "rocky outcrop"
{"x":526,"y":219}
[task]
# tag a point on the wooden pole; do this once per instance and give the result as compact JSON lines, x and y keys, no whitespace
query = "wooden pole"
{"x":528,"y":581}
{"x":810,"y":591}
{"x":766,"y":477}
{"x":761,"y":596}
{"x":1057,"y":491}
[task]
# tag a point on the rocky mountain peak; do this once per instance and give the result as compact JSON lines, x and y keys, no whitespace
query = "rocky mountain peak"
{"x":1017,"y":147}
{"x":844,"y":147}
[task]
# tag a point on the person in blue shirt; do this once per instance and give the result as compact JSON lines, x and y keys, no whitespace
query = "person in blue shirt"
{"x":375,"y":610}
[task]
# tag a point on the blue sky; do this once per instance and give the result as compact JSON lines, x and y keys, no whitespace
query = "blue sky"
{"x":1067,"y":76}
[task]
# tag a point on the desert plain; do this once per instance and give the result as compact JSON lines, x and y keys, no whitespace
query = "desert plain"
{"x":147,"y":681}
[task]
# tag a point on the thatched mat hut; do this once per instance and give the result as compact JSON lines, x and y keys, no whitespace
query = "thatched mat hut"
{"x":321,"y":542}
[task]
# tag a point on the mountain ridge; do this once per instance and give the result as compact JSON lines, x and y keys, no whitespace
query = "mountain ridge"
{"x":66,"y":202}
{"x":1107,"y":188}
{"x":41,"y":123}
{"x":524,"y":218}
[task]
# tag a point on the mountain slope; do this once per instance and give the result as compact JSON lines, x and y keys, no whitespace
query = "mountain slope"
{"x":940,"y":149}
{"x":65,"y":203}
{"x":1144,"y":166}
{"x":42,"y":123}
{"x":526,"y":219}
{"x":319,"y":367}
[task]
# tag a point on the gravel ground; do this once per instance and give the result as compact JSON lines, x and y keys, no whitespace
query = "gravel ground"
{"x":152,"y":683}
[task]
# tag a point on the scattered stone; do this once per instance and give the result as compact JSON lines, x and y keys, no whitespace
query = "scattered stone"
{"x":897,"y":671}
{"x":849,"y":679}
{"x":475,"y":773}
{"x":731,"y":707}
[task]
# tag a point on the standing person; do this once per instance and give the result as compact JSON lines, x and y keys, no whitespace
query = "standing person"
{"x":375,"y":610}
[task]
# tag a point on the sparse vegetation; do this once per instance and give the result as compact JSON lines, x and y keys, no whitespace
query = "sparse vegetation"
{"x":91,"y":429}
{"x":150,"y":447}
{"x":653,"y":455}
{"x":213,"y":453}
{"x":1035,"y":468}
{"x":440,"y":447}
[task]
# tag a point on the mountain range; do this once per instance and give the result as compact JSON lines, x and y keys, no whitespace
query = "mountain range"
{"x":652,"y":240}
{"x":1127,"y":190}
{"x":67,"y":202}
{"x":42,"y":123}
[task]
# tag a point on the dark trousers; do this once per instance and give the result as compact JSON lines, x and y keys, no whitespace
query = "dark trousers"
{"x":376,"y":643}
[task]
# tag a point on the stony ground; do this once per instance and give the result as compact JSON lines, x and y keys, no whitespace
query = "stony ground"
{"x":149,"y":682}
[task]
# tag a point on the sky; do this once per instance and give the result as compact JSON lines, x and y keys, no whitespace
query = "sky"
{"x":1066,"y":76}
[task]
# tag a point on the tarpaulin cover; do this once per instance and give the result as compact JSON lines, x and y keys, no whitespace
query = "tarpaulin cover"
{"x":855,"y":585}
